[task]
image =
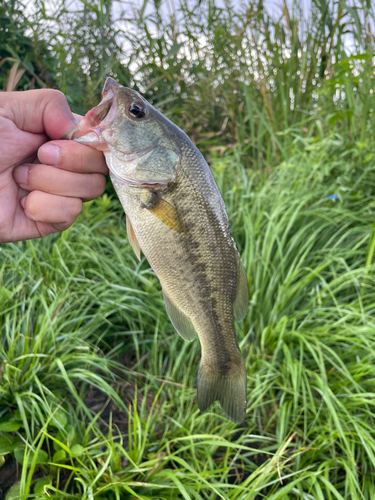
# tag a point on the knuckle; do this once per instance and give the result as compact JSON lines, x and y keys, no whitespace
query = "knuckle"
{"x":74,"y":209}
{"x":46,"y":229}
{"x":54,"y":95}
{"x":77,"y":158}
{"x":71,"y":157}
{"x":31,"y":204}
{"x":97,"y":185}
{"x":32,"y":177}
{"x":61,"y":226}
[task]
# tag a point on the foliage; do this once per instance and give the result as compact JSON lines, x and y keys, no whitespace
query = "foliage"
{"x":28,"y":55}
{"x":226,"y":74}
{"x":84,"y":44}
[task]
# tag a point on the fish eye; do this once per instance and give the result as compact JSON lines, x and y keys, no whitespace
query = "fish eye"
{"x":137,"y":110}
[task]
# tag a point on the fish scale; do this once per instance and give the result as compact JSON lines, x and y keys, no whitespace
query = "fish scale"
{"x":177,"y":217}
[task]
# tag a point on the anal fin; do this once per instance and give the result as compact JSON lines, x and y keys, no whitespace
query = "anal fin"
{"x":182,"y":323}
{"x":241,"y":302}
{"x":132,"y":238}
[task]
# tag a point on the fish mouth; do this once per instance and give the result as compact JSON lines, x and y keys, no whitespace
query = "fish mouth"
{"x":89,"y":130}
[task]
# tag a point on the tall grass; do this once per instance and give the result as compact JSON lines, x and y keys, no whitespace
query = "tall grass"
{"x":227,"y":74}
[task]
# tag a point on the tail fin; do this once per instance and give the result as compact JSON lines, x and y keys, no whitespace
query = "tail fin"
{"x":229,"y":388}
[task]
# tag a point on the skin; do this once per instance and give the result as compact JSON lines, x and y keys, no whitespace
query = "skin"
{"x":42,"y":188}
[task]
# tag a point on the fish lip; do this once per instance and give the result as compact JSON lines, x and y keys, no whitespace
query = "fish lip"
{"x":110,"y":86}
{"x":83,"y":138}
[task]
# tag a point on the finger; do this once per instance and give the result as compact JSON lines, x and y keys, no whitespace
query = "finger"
{"x":61,"y":211}
{"x":70,"y":155}
{"x":52,"y":180}
{"x":40,"y":111}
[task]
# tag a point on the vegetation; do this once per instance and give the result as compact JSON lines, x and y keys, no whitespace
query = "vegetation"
{"x":97,"y":391}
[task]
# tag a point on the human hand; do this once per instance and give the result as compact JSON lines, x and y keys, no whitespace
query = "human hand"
{"x":38,"y":198}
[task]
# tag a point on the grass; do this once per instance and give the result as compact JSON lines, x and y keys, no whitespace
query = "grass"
{"x":97,"y":392}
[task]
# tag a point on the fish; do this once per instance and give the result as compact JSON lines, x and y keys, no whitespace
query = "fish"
{"x":176,"y":216}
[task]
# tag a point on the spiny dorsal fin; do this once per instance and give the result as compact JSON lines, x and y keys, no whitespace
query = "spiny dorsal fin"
{"x":241,"y":302}
{"x":167,"y":215}
{"x":132,"y":238}
{"x":182,"y":323}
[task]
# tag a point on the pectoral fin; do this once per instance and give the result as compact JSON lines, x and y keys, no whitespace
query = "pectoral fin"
{"x":132,"y":238}
{"x":241,"y":302}
{"x":182,"y":323}
{"x":167,"y":215}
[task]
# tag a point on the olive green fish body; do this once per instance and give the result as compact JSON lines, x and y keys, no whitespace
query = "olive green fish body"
{"x":179,"y":221}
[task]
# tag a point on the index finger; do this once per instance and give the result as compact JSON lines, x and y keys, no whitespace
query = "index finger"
{"x":70,"y":155}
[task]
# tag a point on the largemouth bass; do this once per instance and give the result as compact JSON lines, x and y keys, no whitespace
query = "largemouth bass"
{"x":176,"y":216}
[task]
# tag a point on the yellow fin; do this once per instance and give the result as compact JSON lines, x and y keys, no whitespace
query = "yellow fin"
{"x":168,"y":215}
{"x":182,"y":323}
{"x":241,"y":302}
{"x":132,"y":238}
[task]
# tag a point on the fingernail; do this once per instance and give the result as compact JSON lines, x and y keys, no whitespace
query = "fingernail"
{"x":20,"y":174}
{"x":49,"y":154}
{"x":22,"y":202}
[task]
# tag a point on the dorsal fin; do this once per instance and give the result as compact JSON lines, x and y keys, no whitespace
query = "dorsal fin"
{"x":241,"y":302}
{"x":132,"y":238}
{"x":182,"y":323}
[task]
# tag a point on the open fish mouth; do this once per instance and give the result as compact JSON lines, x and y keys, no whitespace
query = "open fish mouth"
{"x":89,"y":130}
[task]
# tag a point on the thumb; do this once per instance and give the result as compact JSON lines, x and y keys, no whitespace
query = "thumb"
{"x":43,"y":111}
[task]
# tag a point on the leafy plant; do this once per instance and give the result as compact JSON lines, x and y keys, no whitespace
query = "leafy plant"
{"x":28,"y":57}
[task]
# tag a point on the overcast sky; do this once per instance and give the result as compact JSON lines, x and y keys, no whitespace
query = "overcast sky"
{"x":122,"y":8}
{"x":273,"y":7}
